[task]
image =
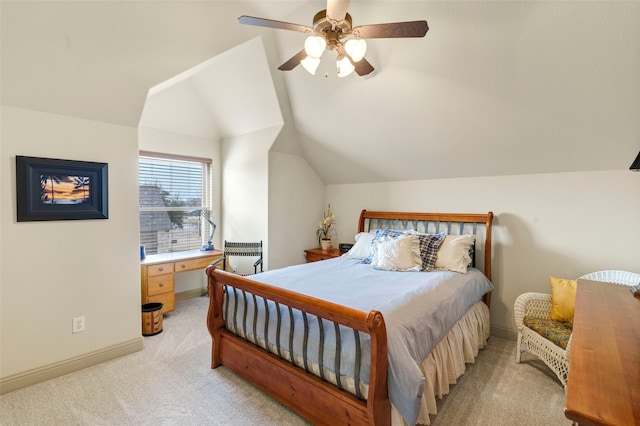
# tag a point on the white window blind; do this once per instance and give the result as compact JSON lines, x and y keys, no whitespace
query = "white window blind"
{"x":173,"y":191}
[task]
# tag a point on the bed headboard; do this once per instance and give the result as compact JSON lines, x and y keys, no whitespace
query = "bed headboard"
{"x":449,"y":223}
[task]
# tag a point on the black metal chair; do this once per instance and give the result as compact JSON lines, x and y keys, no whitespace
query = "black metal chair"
{"x":244,"y":249}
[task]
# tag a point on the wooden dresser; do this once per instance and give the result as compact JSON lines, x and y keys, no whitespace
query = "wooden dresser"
{"x":604,"y":367}
{"x":157,"y":274}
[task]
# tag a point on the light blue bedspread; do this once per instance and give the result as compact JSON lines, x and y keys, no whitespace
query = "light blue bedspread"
{"x":419,"y":309}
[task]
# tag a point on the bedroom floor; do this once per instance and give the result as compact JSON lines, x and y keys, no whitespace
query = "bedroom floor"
{"x":170,"y":383}
{"x":497,"y":391}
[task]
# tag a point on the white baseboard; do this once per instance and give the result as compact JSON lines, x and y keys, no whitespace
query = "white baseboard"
{"x":190,"y":294}
{"x":505,"y":333}
{"x":37,"y":375}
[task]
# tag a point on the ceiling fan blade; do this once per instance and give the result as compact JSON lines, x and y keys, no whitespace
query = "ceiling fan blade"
{"x":362,"y":67}
{"x":337,"y":9}
{"x":392,"y":30}
{"x":294,"y":61}
{"x":269,"y":23}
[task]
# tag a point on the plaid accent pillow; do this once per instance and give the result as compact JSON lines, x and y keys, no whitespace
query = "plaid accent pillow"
{"x":429,"y":245}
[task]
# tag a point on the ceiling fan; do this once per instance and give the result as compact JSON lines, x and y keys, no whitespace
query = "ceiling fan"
{"x":333,"y":30}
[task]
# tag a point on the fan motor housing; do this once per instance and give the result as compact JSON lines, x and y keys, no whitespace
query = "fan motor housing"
{"x":333,"y":29}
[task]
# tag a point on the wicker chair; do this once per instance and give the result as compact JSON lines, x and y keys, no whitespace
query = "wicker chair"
{"x":538,"y":306}
{"x":616,"y":277}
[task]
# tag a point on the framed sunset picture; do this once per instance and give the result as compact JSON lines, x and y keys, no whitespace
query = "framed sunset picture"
{"x":53,"y":189}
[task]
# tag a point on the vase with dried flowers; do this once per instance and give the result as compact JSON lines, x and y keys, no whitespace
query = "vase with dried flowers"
{"x":325,"y":229}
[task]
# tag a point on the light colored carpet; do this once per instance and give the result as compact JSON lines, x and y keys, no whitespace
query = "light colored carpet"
{"x":170,"y":383}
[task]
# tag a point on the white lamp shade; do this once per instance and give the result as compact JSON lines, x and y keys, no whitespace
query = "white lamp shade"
{"x":314,"y":46}
{"x":310,"y":64}
{"x":345,"y":67}
{"x":356,"y":48}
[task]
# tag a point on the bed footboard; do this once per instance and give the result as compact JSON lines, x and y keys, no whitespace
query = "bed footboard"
{"x":311,"y":396}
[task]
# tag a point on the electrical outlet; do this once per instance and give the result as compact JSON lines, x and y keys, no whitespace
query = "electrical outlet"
{"x":77,"y":324}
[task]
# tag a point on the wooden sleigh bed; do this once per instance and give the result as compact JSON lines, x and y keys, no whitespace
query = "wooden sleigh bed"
{"x":241,"y":343}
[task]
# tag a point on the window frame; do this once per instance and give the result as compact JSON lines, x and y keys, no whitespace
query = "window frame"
{"x":206,"y":204}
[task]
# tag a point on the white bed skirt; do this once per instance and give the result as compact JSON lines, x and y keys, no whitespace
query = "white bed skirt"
{"x":448,"y":360}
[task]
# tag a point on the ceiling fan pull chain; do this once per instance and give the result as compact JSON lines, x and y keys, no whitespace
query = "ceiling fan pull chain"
{"x":324,"y":64}
{"x":326,"y":69}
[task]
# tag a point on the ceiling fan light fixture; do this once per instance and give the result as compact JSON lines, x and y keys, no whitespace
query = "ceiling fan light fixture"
{"x":356,"y":48}
{"x":345,"y":67}
{"x":310,"y":64}
{"x":333,"y":30}
{"x":314,"y":46}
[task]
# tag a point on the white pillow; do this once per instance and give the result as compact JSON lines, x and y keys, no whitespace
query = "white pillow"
{"x":362,"y":247}
{"x":397,"y":254}
{"x":453,"y":254}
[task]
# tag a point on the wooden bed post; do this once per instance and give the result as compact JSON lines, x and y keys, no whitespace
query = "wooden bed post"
{"x":361,"y":220}
{"x":487,"y":256}
{"x":215,"y":321}
{"x":378,"y":404}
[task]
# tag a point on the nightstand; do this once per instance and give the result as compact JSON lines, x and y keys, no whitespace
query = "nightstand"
{"x":315,"y":254}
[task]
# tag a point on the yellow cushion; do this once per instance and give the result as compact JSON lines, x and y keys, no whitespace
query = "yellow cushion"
{"x":563,"y":299}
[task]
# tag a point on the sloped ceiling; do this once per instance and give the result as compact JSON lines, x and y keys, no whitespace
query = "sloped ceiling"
{"x":495,"y":88}
{"x":230,"y":94}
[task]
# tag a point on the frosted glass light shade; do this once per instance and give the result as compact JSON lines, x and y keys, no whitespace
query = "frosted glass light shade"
{"x":314,"y":46}
{"x":345,"y":67}
{"x":310,"y":64}
{"x":356,"y":48}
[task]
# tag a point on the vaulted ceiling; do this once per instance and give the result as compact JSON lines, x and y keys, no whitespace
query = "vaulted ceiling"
{"x":495,"y":88}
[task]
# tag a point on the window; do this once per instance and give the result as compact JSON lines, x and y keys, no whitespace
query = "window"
{"x":173,"y":192}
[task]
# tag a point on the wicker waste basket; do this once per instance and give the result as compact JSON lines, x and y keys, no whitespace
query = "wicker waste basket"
{"x":151,"y":319}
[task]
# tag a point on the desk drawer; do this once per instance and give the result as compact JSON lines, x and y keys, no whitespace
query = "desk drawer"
{"x":188,"y":265}
{"x":168,"y":301}
{"x":158,"y":284}
{"x":160,"y":268}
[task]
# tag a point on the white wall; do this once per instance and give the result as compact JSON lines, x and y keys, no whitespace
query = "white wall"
{"x":562,"y":224}
{"x":53,"y":271}
{"x":180,"y":144}
{"x":296,"y":203}
{"x":269,"y":196}
{"x":245,"y":189}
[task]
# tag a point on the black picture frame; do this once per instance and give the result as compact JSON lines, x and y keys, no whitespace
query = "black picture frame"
{"x":81,"y":188}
